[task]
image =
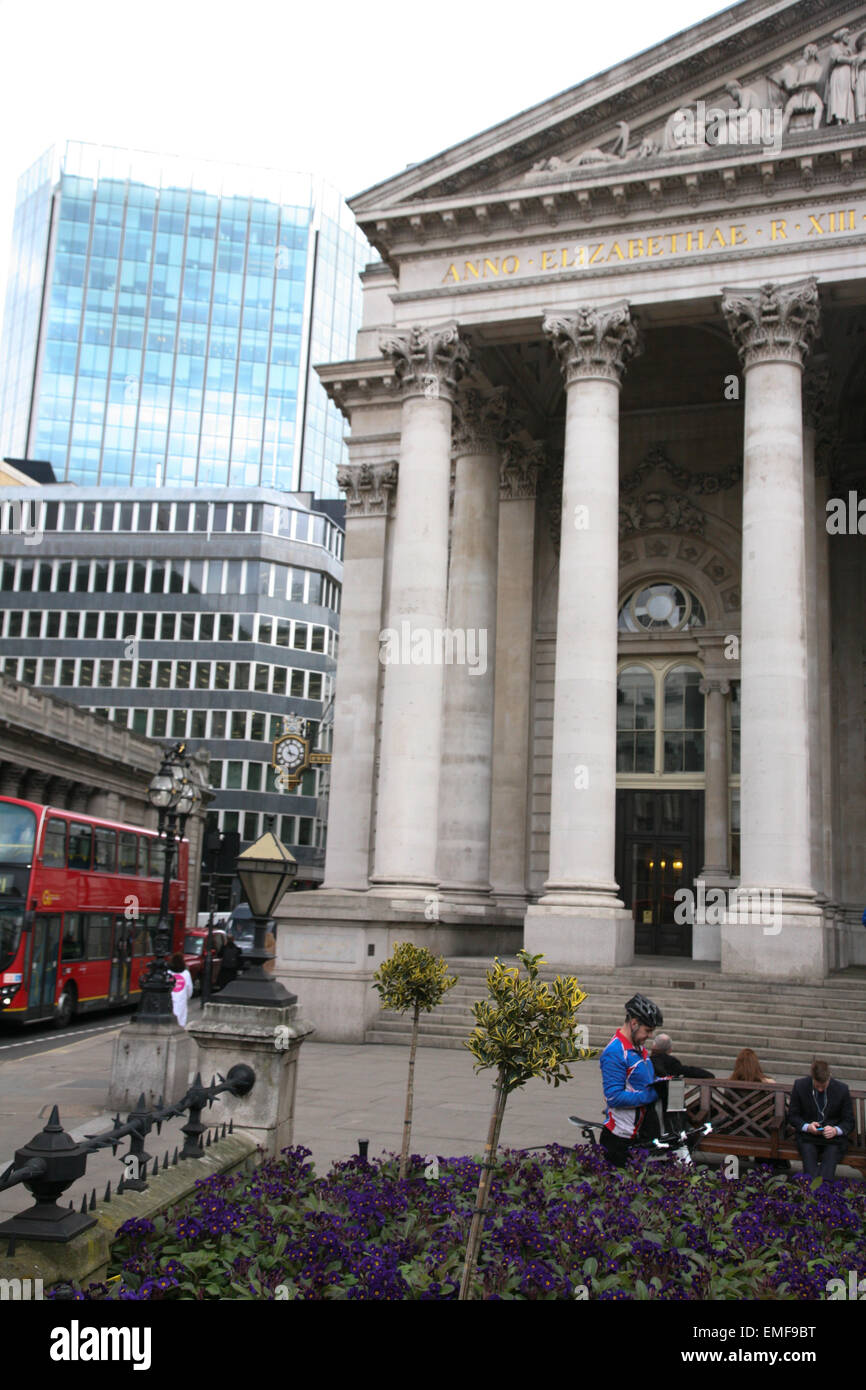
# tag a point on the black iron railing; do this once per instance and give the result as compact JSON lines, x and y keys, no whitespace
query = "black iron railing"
{"x":53,"y":1161}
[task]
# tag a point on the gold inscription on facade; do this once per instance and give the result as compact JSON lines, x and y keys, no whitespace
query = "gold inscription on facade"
{"x":635,"y":248}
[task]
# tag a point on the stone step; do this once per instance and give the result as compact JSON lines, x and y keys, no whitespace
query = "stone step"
{"x":779,"y":1039}
{"x":720,"y":988}
{"x":782,"y":1065}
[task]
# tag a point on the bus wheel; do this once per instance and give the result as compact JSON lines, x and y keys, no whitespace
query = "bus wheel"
{"x":64,"y":1009}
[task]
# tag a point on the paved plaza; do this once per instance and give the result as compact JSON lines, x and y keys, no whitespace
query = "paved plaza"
{"x":345,"y":1093}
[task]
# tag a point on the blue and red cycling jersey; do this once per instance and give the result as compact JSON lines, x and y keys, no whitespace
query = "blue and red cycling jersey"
{"x":628,"y":1078}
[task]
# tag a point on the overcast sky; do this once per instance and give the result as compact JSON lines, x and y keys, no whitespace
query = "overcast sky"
{"x":350,"y":91}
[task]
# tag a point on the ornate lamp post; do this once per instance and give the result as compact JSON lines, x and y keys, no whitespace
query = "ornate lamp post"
{"x":174,"y":795}
{"x":265,"y":870}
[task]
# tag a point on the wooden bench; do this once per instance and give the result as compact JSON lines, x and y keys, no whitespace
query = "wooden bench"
{"x":749,"y":1119}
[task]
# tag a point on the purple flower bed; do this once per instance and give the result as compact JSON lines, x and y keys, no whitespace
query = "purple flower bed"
{"x":558,"y":1219}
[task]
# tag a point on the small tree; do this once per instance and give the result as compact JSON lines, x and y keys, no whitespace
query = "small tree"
{"x":526,"y":1028}
{"x":412,"y":978}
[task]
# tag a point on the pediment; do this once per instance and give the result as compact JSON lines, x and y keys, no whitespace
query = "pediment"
{"x":740,"y":87}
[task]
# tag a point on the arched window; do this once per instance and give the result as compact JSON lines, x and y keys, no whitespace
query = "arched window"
{"x":661,"y":607}
{"x":635,"y":720}
{"x":683,"y":720}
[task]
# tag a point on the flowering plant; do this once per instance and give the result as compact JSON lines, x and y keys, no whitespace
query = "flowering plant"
{"x":557,"y":1227}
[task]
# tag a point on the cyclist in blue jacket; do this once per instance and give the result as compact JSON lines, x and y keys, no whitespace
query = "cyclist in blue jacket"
{"x":628,"y":1078}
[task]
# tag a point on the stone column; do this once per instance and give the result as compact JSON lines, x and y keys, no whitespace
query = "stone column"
{"x":480,"y":425}
{"x":580,"y":919}
{"x":716,"y":827}
{"x":368,"y":488}
{"x":11,"y":777}
{"x":428,"y":363}
{"x":35,"y":785}
{"x":509,"y":831}
{"x":773,"y":329}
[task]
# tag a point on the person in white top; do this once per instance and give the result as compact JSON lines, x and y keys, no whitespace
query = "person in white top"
{"x":182,"y":991}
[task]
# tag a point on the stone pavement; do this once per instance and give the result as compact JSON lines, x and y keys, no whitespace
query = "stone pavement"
{"x":345,"y":1093}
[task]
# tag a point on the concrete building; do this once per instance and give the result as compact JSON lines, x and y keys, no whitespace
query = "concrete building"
{"x":163,"y":317}
{"x":603,"y":643}
{"x":202,"y":614}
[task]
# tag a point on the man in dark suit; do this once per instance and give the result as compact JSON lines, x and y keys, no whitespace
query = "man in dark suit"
{"x":822,"y":1116}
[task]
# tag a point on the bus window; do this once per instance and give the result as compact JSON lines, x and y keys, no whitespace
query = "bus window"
{"x":17,"y":834}
{"x":105,"y":850}
{"x":128,"y":853}
{"x":80,"y":837}
{"x":54,"y":844}
{"x":98,"y":936}
{"x":142,"y":944}
{"x":72,"y":947}
{"x":156,"y":857}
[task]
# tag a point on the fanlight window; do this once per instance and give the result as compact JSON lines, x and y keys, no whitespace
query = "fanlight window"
{"x":661,"y":608}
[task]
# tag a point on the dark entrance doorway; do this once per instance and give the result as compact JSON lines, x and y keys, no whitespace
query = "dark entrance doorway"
{"x":659,"y":848}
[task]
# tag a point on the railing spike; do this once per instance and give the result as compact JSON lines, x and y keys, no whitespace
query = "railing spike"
{"x":84,"y":1205}
{"x":207,"y":1141}
{"x":231,"y":1126}
{"x":93,"y":1200}
{"x":120,"y":1189}
{"x":174,"y":1160}
{"x":107,"y":1197}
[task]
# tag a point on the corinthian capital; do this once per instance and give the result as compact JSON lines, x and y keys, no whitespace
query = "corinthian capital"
{"x":427,"y":361}
{"x":776,"y":323}
{"x":481,"y":423}
{"x":521,"y":463}
{"x":368,"y":487}
{"x":594,"y":342}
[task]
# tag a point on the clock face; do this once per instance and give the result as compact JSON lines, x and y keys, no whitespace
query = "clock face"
{"x":291,"y":753}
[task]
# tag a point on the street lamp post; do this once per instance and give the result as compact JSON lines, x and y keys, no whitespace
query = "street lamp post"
{"x":174,"y":794}
{"x":265,"y":870}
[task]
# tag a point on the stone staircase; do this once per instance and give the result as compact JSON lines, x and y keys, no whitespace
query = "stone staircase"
{"x":709,"y":1017}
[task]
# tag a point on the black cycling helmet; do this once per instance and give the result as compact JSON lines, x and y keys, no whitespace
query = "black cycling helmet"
{"x":644,"y":1010}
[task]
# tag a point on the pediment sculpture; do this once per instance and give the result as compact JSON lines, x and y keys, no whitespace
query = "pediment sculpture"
{"x":814,"y":90}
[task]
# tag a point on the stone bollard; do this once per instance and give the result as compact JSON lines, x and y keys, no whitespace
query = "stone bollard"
{"x":268,"y":1038}
{"x":150,"y":1057}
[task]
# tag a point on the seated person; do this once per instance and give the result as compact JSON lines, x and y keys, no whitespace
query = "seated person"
{"x":666,"y":1065}
{"x":822,"y":1116}
{"x":748,"y":1068}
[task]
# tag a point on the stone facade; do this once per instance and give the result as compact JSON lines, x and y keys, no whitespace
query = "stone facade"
{"x":56,"y":754}
{"x":617,"y":660}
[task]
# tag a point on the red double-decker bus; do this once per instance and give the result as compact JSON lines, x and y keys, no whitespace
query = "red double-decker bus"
{"x":79,"y":899}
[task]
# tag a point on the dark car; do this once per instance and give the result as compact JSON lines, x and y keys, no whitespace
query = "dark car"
{"x":242,"y":931}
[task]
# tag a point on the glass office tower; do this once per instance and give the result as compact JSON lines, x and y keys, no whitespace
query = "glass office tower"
{"x":163,"y":320}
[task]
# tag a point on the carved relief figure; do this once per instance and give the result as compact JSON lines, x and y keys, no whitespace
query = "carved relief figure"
{"x":744,"y":98}
{"x":803,"y":80}
{"x":596,"y":155}
{"x":840,"y":84}
{"x":860,"y":77}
